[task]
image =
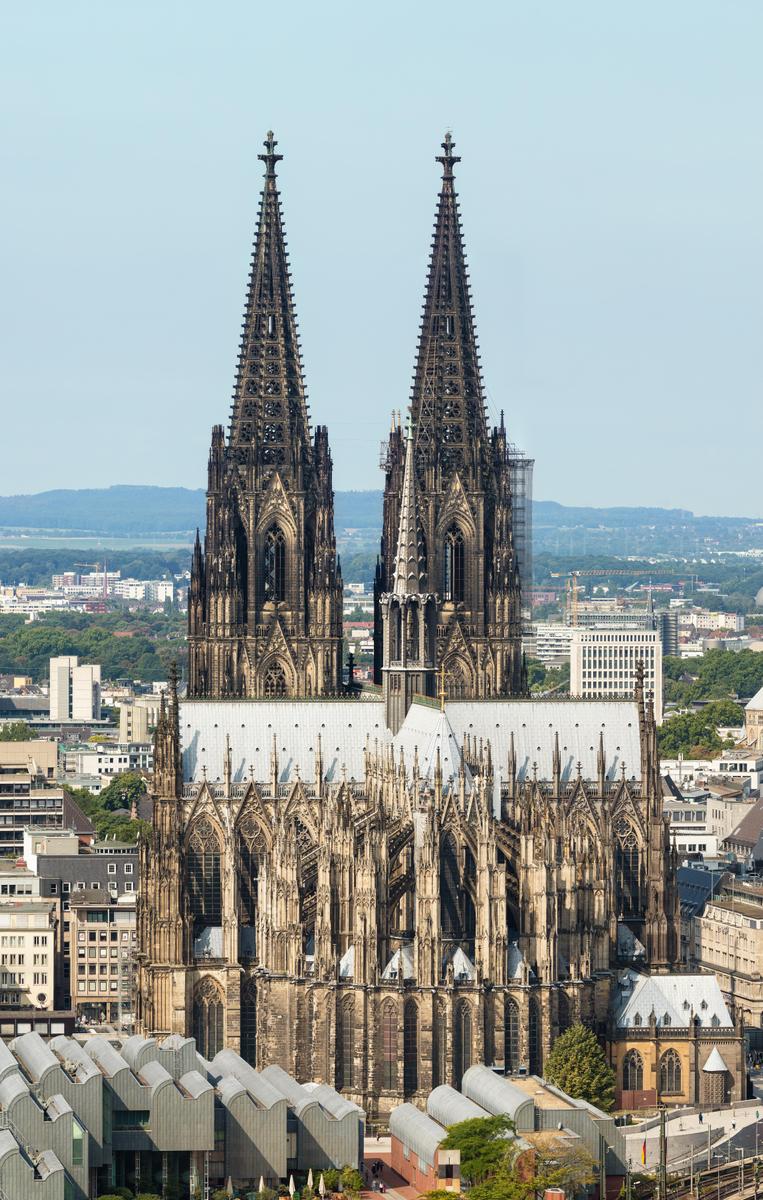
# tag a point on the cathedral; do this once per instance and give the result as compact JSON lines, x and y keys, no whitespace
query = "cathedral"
{"x":376,"y":887}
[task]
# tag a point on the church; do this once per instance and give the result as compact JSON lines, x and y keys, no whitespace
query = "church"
{"x":377,"y":887}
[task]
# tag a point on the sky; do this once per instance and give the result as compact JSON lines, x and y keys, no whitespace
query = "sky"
{"x":611,"y":189}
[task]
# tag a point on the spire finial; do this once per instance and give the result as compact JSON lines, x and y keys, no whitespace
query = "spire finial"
{"x":270,"y":158}
{"x":448,"y":159}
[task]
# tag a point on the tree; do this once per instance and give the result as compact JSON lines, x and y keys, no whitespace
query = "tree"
{"x":483,"y":1144}
{"x":352,"y":1180}
{"x":578,"y":1066}
{"x":15,"y":731}
{"x":122,"y":790}
{"x":562,"y":1163}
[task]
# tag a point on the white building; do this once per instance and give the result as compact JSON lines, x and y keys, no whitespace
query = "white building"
{"x":552,"y":643}
{"x":27,"y":953}
{"x":108,"y":759}
{"x":603,"y":663}
{"x":75,"y":690}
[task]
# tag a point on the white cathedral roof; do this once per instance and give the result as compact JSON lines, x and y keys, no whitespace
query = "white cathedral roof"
{"x":426,"y":730}
{"x":344,"y":727}
{"x":715,"y":1062}
{"x":534,"y":724}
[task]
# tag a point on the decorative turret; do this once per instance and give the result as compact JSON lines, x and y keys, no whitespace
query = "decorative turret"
{"x":408,"y":610}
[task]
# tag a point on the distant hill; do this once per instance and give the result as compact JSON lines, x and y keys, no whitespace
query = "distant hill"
{"x":129,"y":511}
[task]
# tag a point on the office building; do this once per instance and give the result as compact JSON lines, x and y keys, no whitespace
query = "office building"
{"x":603,"y":663}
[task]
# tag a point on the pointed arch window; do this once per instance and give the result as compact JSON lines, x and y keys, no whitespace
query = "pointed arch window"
{"x":345,"y":1044}
{"x":249,"y":1022}
{"x":511,"y":1035}
{"x":274,"y":683}
{"x":389,"y":1047}
{"x":208,"y":1018}
{"x":249,"y":840}
{"x":453,"y":575}
{"x":439,"y":1045}
{"x":536,"y":1043}
{"x":203,"y":873}
{"x":670,"y":1074}
{"x":565,"y":1012}
{"x":627,"y":869}
{"x":410,"y":1047}
{"x":274,"y":564}
{"x":450,"y":888}
{"x":462,"y":1042}
{"x":633,"y":1072}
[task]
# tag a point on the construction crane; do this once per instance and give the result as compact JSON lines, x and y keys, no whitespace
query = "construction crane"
{"x":98,"y":567}
{"x":573,"y":588}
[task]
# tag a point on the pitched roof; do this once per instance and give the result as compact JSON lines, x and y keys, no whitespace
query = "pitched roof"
{"x":675,"y":1000}
{"x":749,"y":829}
{"x":756,"y":703}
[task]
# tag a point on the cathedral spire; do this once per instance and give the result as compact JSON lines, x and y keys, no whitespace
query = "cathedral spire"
{"x":270,"y":425}
{"x":447,"y":401}
{"x":410,"y":561}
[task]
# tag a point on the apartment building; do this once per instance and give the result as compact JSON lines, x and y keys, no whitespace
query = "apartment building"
{"x":103,"y":930}
{"x":75,"y":689}
{"x":27,"y":953}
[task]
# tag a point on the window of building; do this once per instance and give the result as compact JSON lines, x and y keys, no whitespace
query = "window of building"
{"x":389,"y":1046}
{"x":274,"y":564}
{"x":453,"y":573}
{"x":410,"y":1047}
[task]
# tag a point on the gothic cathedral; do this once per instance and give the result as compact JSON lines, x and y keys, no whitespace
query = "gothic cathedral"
{"x":377,"y":887}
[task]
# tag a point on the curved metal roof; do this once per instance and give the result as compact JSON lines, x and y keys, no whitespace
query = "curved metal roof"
{"x":35,"y":1057}
{"x":68,"y":1051}
{"x":331,"y":1100}
{"x":194,"y":1084}
{"x":494,"y":1093}
{"x":154,"y":1075}
{"x":229,"y":1063}
{"x":106,"y":1057}
{"x":298,"y":1098}
{"x":418,"y":1132}
{"x":448,"y":1106}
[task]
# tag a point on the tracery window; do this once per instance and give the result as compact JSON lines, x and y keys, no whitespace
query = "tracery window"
{"x":462,"y":1042}
{"x":633,"y":1072}
{"x":410,"y":1047}
{"x":208,"y":1018}
{"x":203,"y":867}
{"x":450,"y":887}
{"x":511,"y":1035}
{"x":627,"y":869}
{"x":536,"y":1044}
{"x":274,"y":564}
{"x":453,"y":576}
{"x":249,"y":837}
{"x":670,"y":1073}
{"x":274,"y":683}
{"x":345,"y":1044}
{"x":455,"y":682}
{"x":249,"y":1022}
{"x":389,"y":1054}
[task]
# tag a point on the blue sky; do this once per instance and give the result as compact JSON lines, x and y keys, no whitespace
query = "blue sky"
{"x":612,"y":198}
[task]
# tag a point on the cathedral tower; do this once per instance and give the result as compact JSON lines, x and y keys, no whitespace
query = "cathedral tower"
{"x":265,"y":601}
{"x":463,"y":475}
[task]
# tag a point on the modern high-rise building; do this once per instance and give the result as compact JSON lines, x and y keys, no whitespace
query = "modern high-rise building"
{"x":604,"y":662}
{"x":75,"y":690}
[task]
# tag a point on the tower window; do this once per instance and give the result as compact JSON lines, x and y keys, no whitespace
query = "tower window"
{"x":453,"y":581}
{"x":271,"y":325}
{"x":275,"y":564}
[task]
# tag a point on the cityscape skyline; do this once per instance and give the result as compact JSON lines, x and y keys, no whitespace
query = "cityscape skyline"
{"x":605,"y":261}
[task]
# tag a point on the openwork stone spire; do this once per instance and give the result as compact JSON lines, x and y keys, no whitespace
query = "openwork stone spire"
{"x":270,"y":424}
{"x":447,"y":398}
{"x":410,"y":562}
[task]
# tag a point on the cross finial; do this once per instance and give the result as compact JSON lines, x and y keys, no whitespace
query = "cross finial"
{"x":442,"y":695}
{"x":448,"y":159}
{"x":270,"y":158}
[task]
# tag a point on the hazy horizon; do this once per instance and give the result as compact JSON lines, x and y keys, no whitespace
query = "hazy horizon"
{"x":611,"y":186}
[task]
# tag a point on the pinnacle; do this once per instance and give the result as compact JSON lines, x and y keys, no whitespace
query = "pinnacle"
{"x":409,"y":575}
